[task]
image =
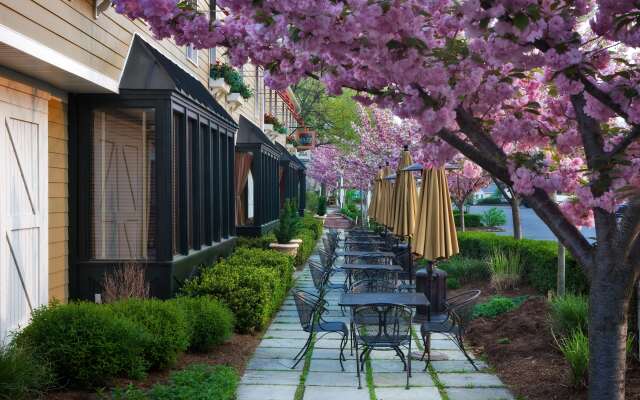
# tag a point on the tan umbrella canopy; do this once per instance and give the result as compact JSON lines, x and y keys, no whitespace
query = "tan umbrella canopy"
{"x":375,"y":194}
{"x":435,"y":231}
{"x":391,"y":203}
{"x":405,"y":198}
{"x":383,"y":206}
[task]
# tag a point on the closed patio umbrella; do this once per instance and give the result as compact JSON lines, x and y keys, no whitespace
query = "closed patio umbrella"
{"x":375,"y":194}
{"x":434,"y":235}
{"x":405,"y":204}
{"x":383,"y":207}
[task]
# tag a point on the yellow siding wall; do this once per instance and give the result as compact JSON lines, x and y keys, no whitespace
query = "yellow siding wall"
{"x":58,"y":201}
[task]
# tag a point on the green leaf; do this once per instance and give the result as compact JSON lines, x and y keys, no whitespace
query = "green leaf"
{"x":521,"y":21}
{"x":534,"y":11}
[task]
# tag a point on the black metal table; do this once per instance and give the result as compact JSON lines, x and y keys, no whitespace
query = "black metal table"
{"x":349,"y":268}
{"x":365,"y":253}
{"x":363,"y":299}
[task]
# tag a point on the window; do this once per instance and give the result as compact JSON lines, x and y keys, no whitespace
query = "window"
{"x":122,"y":184}
{"x":212,"y":56}
{"x":192,"y":54}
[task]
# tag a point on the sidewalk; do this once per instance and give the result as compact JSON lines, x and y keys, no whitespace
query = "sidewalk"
{"x":269,"y":376}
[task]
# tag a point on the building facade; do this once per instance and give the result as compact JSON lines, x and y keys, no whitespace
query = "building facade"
{"x":116,"y":149}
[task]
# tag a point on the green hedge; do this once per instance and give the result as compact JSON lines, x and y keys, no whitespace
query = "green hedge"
{"x":251,"y":282}
{"x":306,"y":247}
{"x":540,"y":258}
{"x":260,"y":242}
{"x":470,"y":220}
{"x":86,"y":344}
{"x":166,"y":324}
{"x":210,"y":322}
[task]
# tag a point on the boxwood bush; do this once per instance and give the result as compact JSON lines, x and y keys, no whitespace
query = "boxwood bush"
{"x":259,"y":242}
{"x":166,"y":325}
{"x":23,"y":376}
{"x":306,"y":247}
{"x":251,"y":282}
{"x":210,"y":322}
{"x":539,"y":257}
{"x":470,"y":220}
{"x":86,"y":344}
{"x":461,"y":270}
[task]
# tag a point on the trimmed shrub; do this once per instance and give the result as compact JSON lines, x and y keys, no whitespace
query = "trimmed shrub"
{"x":210,"y":322}
{"x":248,"y":292}
{"x":311,"y":223}
{"x":453,"y":283}
{"x":322,"y":205}
{"x":288,"y":224}
{"x":497,"y":305}
{"x":539,"y":259}
{"x":493,"y":217}
{"x":569,"y":313}
{"x":22,"y":375}
{"x":470,"y":220}
{"x":166,"y":324}
{"x":312,"y":199}
{"x":306,"y":247}
{"x":196,"y":382}
{"x":256,"y":258}
{"x":260,"y":242}
{"x":86,"y":344}
{"x":465,"y":270}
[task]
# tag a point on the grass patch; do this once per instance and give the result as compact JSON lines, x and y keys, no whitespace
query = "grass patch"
{"x":498,"y":305}
{"x":305,"y":371}
{"x":369,"y":377}
{"x":432,"y":372}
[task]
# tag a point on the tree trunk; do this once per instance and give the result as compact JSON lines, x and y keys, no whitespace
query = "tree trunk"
{"x":515,"y":216}
{"x":609,"y":296}
{"x":461,"y":208}
{"x":323,"y":190}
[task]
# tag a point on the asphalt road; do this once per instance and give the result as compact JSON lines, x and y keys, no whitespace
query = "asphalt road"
{"x":532,"y":225}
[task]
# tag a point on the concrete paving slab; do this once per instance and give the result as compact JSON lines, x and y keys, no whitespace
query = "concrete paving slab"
{"x":273,"y":364}
{"x":266,"y":392}
{"x":331,"y":379}
{"x":387,"y":365}
{"x":456,"y":366}
{"x":252,"y":377}
{"x":469,"y":380}
{"x":440,"y":344}
{"x":294,"y":343}
{"x":399,"y":379}
{"x":275,"y":352}
{"x":342,"y":393}
{"x":479,"y":394}
{"x":417,"y":393}
{"x":319,"y":365}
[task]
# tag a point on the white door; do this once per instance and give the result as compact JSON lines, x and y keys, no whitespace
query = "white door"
{"x":23,"y":208}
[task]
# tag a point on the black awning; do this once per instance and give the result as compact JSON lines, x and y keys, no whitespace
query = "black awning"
{"x":250,"y":134}
{"x":286,"y":157}
{"x":148,"y":69}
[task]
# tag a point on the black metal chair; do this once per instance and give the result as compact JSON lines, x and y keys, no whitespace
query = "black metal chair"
{"x":458,"y":313}
{"x":383,"y":283}
{"x":382,"y":327}
{"x":320,"y":276}
{"x":310,"y":309}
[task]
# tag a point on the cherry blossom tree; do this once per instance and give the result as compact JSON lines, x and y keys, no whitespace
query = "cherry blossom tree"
{"x":542,"y":94}
{"x":464,"y":182}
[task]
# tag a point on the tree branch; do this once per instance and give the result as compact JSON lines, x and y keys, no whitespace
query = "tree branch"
{"x":629,"y":229}
{"x":602,"y":97}
{"x":565,"y":231}
{"x":591,"y":134}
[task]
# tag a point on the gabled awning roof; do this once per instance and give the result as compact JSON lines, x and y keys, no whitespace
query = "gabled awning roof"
{"x":148,"y":69}
{"x":250,"y":134}
{"x":285,"y":156}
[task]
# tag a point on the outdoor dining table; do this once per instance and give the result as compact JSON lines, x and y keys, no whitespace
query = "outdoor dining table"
{"x":350,"y":254}
{"x":350,"y":268}
{"x":362,"y":299}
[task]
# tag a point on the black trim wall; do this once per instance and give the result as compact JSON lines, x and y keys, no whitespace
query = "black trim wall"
{"x":208,"y":208}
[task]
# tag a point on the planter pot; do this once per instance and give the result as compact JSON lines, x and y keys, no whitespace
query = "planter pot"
{"x":268,"y":128}
{"x":296,"y":241}
{"x":235,"y":101}
{"x":219,"y":88}
{"x":286,"y":248}
{"x":321,"y":218}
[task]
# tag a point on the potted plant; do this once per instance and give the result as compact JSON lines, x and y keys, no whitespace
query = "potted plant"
{"x":222,"y":74}
{"x":270,"y":122}
{"x":322,"y":209}
{"x":288,"y":227}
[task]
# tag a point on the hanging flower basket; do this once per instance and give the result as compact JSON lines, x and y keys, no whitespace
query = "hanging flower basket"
{"x":219,"y":88}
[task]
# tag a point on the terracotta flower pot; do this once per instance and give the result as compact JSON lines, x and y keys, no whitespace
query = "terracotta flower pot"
{"x":287,"y":248}
{"x":321,"y":218}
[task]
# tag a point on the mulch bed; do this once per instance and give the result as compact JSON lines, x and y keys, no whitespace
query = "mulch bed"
{"x":521,"y":349}
{"x":235,"y":352}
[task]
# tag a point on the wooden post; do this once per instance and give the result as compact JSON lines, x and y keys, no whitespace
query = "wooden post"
{"x":561,"y":285}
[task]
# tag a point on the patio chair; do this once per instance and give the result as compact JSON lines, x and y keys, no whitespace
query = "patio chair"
{"x":320,"y":277}
{"x":459,"y":309}
{"x":310,"y":309}
{"x":382,"y":327}
{"x":374,"y":281}
{"x":326,"y":258}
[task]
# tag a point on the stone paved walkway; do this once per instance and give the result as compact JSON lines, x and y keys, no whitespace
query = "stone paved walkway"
{"x":269,"y":376}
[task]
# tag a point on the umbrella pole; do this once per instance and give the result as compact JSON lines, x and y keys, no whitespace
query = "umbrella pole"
{"x":410,"y":262}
